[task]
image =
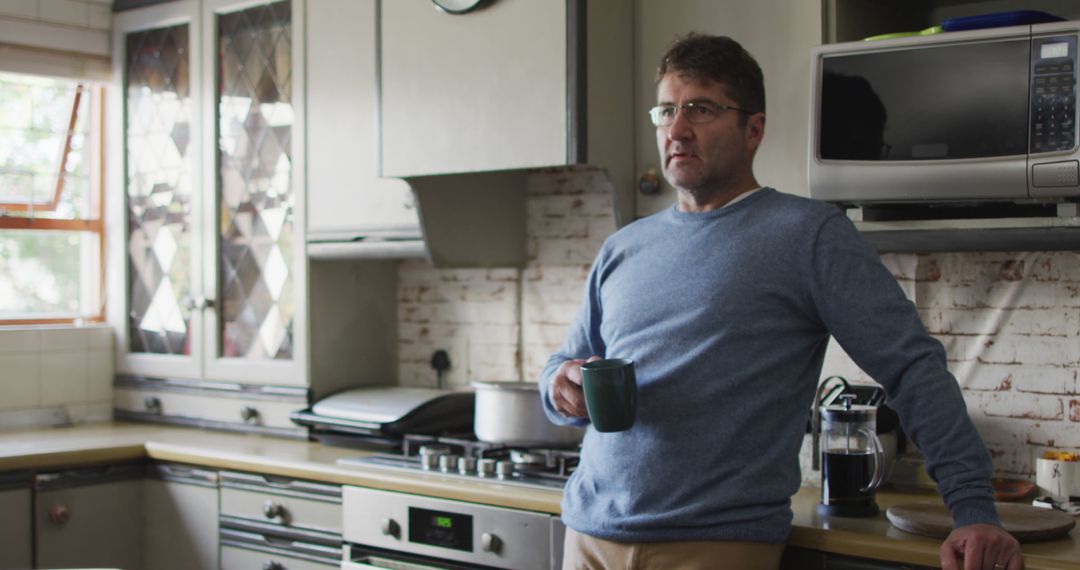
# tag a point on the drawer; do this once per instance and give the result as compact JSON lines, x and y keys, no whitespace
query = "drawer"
{"x":237,"y":558}
{"x":289,"y":504}
{"x":217,"y":408}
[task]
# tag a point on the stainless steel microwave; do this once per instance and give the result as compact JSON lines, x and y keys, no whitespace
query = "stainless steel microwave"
{"x":973,"y":116}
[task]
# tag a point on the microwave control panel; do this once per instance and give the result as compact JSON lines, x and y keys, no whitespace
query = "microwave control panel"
{"x":1053,"y":94}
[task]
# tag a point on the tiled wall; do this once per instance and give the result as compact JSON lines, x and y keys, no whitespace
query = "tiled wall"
{"x":1010,"y":322}
{"x":90,"y":14}
{"x":56,"y":367}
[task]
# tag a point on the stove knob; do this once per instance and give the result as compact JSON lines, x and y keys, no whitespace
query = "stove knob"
{"x":466,"y":465}
{"x":490,"y":542}
{"x":429,"y":462}
{"x":447,"y":463}
{"x":485,"y":467}
{"x":504,"y":469}
{"x":390,"y":527}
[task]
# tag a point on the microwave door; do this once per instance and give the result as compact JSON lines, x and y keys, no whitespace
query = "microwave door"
{"x":894,"y":124}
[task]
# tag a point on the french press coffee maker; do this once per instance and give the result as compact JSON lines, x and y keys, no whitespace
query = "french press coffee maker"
{"x":852,"y":460}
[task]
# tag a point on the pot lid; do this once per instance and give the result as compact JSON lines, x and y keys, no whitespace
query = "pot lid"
{"x":380,"y":404}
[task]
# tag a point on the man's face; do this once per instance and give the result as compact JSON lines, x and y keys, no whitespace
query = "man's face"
{"x":710,"y":158}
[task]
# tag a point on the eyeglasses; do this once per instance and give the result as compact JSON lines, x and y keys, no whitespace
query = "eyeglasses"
{"x":696,"y":112}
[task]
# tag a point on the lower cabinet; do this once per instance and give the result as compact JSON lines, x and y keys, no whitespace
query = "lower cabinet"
{"x":16,"y":534}
{"x":275,"y":523}
{"x":180,"y":505}
{"x":89,"y":517}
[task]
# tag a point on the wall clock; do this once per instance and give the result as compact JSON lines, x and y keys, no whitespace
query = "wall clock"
{"x":460,"y":6}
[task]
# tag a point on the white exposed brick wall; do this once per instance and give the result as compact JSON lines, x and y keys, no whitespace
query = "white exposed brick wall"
{"x":1010,"y":322}
{"x":501,"y":324}
{"x":1011,"y":330}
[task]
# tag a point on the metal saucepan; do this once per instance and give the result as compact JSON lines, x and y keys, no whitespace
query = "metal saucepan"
{"x":511,"y":413}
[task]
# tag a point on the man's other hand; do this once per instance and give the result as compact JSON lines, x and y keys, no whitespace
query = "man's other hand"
{"x":981,"y":547}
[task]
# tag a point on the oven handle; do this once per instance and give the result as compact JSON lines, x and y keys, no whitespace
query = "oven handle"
{"x":384,"y":563}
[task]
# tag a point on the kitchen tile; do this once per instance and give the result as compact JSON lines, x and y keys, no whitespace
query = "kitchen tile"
{"x":67,"y":12}
{"x":64,"y":377}
{"x":19,"y":380}
{"x":100,"y":376}
{"x":20,"y":340}
{"x":19,"y":8}
{"x":93,"y":412}
{"x":100,"y":16}
{"x":64,"y":339}
{"x":101,"y":337}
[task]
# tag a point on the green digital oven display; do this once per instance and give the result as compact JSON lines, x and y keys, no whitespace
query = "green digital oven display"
{"x":441,"y":528}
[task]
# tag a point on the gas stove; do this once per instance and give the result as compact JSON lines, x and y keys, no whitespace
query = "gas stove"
{"x":465,"y":458}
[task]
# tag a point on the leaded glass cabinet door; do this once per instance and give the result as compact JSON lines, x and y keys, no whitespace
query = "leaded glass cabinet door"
{"x":155,"y":302}
{"x":255,"y":76}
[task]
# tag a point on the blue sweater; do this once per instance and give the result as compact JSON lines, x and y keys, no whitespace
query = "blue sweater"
{"x":727,"y":314}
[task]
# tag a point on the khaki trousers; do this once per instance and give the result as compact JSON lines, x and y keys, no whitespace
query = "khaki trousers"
{"x":583,"y":552}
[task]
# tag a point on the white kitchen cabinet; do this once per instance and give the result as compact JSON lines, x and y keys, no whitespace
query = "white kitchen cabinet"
{"x":16,"y":535}
{"x":209,"y":177}
{"x":212,"y":291}
{"x":346,"y":197}
{"x":513,"y":85}
{"x":779,"y":34}
{"x":180,"y":506}
{"x":89,"y":517}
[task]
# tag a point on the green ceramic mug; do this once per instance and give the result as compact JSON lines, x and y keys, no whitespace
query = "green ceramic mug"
{"x":610,"y":393}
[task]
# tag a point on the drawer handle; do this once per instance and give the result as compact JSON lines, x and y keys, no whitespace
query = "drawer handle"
{"x":273,"y":565}
{"x":274,"y":510}
{"x":152,"y":404}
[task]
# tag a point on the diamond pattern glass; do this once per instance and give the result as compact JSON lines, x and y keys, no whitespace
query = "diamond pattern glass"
{"x":160,"y":169}
{"x":255,"y":118}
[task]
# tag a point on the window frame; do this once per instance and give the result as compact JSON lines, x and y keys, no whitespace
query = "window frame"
{"x":93,"y":224}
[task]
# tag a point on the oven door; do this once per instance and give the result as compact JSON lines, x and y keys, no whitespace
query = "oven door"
{"x":434,"y":530}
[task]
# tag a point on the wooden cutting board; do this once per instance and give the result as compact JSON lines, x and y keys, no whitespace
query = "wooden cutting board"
{"x":1025,"y":522}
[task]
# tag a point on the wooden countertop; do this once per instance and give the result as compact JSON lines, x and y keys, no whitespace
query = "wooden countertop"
{"x":112,"y":442}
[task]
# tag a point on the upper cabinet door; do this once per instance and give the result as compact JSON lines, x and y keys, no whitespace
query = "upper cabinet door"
{"x":154,"y":168}
{"x":346,"y":197}
{"x":255,"y":270}
{"x":482,"y":91}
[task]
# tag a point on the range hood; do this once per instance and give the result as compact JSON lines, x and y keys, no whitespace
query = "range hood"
{"x":527,"y":86}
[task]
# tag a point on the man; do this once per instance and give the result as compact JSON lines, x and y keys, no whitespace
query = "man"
{"x":726,"y":302}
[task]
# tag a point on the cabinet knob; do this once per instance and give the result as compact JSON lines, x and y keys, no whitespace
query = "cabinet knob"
{"x":152,"y":404}
{"x":274,"y":510}
{"x":490,"y":542}
{"x":273,"y":565}
{"x":59,"y":514}
{"x":649,"y":182}
{"x":390,"y":527}
{"x":249,"y":414}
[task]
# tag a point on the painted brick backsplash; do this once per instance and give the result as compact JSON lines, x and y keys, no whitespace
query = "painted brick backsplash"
{"x":1010,"y":322}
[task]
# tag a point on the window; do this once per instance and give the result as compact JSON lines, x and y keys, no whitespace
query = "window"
{"x":51,"y":228}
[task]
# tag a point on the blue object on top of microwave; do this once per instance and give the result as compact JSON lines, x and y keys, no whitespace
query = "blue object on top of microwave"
{"x":998,"y":19}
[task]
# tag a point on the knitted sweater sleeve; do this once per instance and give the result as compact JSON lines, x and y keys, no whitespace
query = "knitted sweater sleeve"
{"x":865,"y":310}
{"x":583,"y":340}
